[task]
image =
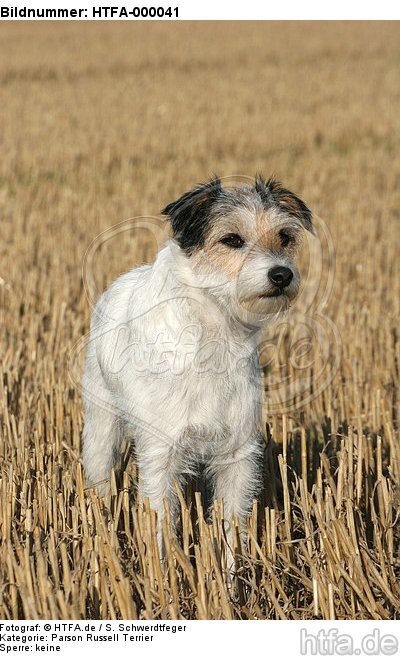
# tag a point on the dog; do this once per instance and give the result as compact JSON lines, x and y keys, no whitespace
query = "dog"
{"x":172,"y":360}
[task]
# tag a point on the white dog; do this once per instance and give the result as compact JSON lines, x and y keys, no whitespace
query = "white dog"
{"x":172,"y":359}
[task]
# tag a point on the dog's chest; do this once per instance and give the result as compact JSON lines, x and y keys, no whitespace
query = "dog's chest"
{"x":218,"y":381}
{"x":195,"y":374}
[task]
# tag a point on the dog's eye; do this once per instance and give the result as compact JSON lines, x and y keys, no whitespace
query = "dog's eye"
{"x":285,"y":238}
{"x":232,"y":240}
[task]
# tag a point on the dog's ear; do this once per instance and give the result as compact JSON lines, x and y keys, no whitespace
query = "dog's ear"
{"x":190,"y":214}
{"x":273,"y":193}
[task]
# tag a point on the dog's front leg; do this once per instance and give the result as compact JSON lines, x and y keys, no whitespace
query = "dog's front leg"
{"x":159,"y":467}
{"x":237,"y":480}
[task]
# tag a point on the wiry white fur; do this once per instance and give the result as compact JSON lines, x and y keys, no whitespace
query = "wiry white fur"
{"x":172,"y":364}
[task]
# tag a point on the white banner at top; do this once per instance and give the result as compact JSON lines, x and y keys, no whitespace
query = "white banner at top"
{"x":168,"y":10}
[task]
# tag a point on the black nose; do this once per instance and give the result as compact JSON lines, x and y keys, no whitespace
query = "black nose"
{"x":281,"y":276}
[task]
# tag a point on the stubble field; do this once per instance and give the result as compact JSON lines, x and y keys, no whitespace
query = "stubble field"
{"x":107,"y":121}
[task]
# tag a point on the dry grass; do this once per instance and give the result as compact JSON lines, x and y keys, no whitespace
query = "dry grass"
{"x":100,"y":122}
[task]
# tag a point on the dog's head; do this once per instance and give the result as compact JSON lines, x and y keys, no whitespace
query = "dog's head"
{"x":241,"y":242}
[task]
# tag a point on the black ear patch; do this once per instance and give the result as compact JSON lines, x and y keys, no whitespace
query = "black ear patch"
{"x":273,"y":193}
{"x":190,"y":215}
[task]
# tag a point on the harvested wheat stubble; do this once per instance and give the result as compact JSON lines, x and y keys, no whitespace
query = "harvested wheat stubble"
{"x":88,"y":141}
